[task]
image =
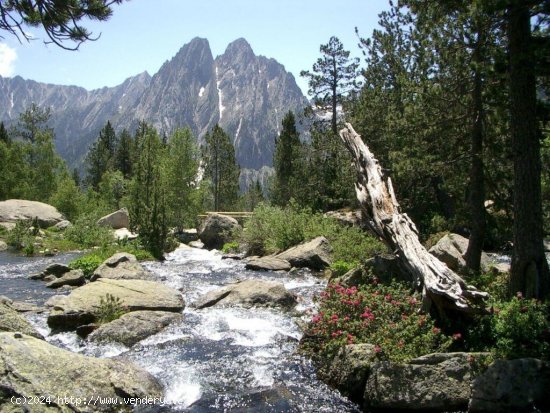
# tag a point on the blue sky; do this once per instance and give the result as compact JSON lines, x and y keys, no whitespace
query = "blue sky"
{"x":143,"y":34}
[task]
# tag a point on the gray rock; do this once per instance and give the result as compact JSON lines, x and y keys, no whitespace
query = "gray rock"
{"x":116,"y":220}
{"x":124,"y":233}
{"x":14,"y":210}
{"x":35,"y":368}
{"x":350,"y":368}
{"x":216,"y":230}
{"x":512,"y":386}
{"x":249,"y":293}
{"x":3,"y":246}
{"x":73,"y":278}
{"x":439,"y":382}
{"x":451,"y":250}
{"x":314,"y":254}
{"x":187,"y":235}
{"x":82,"y":304}
{"x":122,"y":266}
{"x":56,"y":269}
{"x":11,"y":320}
{"x":63,"y":225}
{"x":347,"y":218}
{"x":196,"y":244}
{"x":133,"y":327}
{"x":268,"y":263}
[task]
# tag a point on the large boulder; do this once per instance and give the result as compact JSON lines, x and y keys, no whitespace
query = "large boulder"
{"x":3,"y":246}
{"x":81,"y":306}
{"x":268,"y":263}
{"x":314,"y":254}
{"x":512,"y":386}
{"x":122,"y":266}
{"x":133,"y":327}
{"x":350,"y":368}
{"x":216,"y":230}
{"x":436,"y":382}
{"x":14,"y":210}
{"x":11,"y":320}
{"x":36,"y":369}
{"x":74,"y":278}
{"x":116,"y":220}
{"x":348,"y":218}
{"x":451,"y":250}
{"x":249,"y":293}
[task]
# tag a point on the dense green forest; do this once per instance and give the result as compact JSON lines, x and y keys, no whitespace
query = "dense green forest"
{"x":451,"y":98}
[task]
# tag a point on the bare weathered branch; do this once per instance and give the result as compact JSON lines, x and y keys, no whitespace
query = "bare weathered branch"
{"x":438,"y":284}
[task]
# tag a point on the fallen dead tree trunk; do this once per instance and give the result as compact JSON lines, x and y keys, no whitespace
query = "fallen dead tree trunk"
{"x":438,"y":284}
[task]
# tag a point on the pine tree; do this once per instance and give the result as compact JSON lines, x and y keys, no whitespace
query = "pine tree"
{"x":334,"y":76}
{"x":33,"y":120}
{"x":287,"y":163}
{"x":123,"y":154}
{"x":100,"y":157}
{"x":147,"y":207}
{"x":4,"y":137}
{"x":222,"y":169}
{"x":180,"y":169}
{"x":530,"y":274}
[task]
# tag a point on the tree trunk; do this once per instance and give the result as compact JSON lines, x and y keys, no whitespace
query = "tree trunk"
{"x":530,"y":274}
{"x":439,"y":285}
{"x":477,"y":186}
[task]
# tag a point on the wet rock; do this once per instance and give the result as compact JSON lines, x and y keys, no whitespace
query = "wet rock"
{"x":14,"y":210}
{"x":3,"y":246}
{"x":512,"y":386}
{"x":116,"y":220}
{"x":82,"y":304}
{"x":187,"y":235}
{"x":235,"y":257}
{"x":216,"y":230}
{"x":11,"y":320}
{"x":196,"y":244}
{"x":72,"y":278}
{"x":133,"y":327}
{"x":437,"y":382}
{"x":269,"y":263}
{"x":122,"y":266}
{"x":249,"y":293}
{"x":87,"y":329}
{"x":56,"y":269}
{"x":349,"y":370}
{"x":314,"y":254}
{"x":35,"y":368}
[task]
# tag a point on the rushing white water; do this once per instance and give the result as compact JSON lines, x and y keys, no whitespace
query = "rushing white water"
{"x":222,"y":359}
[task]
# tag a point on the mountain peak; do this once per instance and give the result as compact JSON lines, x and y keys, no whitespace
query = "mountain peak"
{"x":239,"y":47}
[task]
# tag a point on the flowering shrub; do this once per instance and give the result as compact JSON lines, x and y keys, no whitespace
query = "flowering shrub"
{"x":521,"y":329}
{"x":386,"y":316}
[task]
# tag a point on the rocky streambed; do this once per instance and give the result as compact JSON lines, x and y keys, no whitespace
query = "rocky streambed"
{"x":237,"y":353}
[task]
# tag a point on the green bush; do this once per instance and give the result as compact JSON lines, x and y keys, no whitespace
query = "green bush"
{"x":341,"y":267}
{"x":273,"y":229}
{"x":230,"y":247}
{"x":110,"y":308}
{"x":386,"y":316}
{"x":521,"y":329}
{"x":88,"y":263}
{"x":86,"y":233}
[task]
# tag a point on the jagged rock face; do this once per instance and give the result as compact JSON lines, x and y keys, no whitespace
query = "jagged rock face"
{"x":247,"y":95}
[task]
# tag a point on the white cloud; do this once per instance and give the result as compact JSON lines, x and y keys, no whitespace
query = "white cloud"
{"x":8,"y":56}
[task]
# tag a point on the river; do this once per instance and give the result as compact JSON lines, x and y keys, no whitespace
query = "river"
{"x":215,"y":360}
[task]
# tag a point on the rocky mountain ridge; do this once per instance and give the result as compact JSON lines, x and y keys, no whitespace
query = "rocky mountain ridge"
{"x":246,"y":94}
